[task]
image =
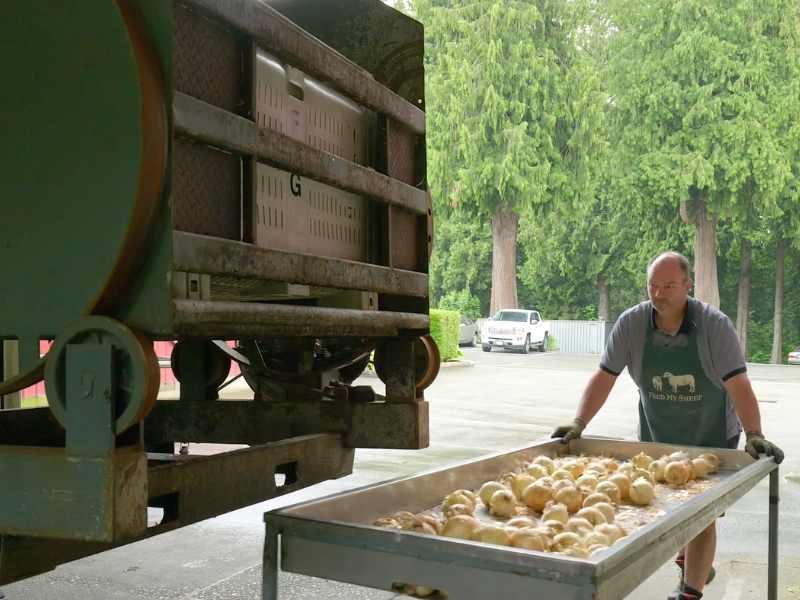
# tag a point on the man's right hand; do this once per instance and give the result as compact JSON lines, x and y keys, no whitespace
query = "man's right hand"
{"x":570,"y":432}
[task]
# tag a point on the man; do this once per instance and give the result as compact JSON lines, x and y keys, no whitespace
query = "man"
{"x":686,"y":360}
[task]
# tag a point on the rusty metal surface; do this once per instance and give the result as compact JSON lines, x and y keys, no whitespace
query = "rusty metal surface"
{"x":280,"y":36}
{"x":207,"y":60}
{"x":376,"y":424}
{"x":207,"y":123}
{"x":203,"y":487}
{"x":239,"y":319}
{"x":202,"y":254}
{"x":205,"y":190}
{"x":211,"y":485}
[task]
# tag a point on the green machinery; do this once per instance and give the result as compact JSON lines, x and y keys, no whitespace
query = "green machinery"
{"x":244,"y":177}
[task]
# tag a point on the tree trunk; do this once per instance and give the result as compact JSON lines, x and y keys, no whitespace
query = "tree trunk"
{"x":777,"y":319}
{"x":743,"y":301}
{"x":504,"y":260}
{"x":706,"y":287}
{"x":603,"y":300}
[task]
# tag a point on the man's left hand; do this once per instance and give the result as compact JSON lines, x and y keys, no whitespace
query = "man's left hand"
{"x":756,"y":444}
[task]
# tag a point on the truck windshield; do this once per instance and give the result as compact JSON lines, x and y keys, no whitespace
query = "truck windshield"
{"x":504,"y":315}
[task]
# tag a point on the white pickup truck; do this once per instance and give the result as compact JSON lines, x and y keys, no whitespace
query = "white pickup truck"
{"x":515,"y":329}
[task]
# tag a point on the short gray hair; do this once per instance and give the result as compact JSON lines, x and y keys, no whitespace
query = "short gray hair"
{"x":682,"y":261}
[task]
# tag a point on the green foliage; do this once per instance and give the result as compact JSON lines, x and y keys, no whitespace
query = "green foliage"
{"x":462,"y":259}
{"x":462,"y":302}
{"x":444,"y":329}
{"x":552,"y":343}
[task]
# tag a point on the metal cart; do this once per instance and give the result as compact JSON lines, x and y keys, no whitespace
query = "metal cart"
{"x":332,"y":537}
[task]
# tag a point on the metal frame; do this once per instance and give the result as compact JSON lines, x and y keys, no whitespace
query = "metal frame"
{"x":215,"y":256}
{"x":205,"y":122}
{"x":331,"y":537}
{"x":283,"y":37}
{"x":252,"y":319}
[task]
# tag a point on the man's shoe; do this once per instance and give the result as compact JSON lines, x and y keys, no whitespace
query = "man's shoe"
{"x":680,"y":562}
{"x":685,"y":592}
{"x":2,"y":595}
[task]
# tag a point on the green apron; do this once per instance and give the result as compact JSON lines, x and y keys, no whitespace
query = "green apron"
{"x":678,"y":404}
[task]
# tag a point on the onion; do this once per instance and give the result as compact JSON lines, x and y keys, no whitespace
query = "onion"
{"x":587,"y":482}
{"x":641,"y":460}
{"x":457,"y":498}
{"x":569,"y":497}
{"x":579,"y":525}
{"x":404,"y":518}
{"x":702,"y":468}
{"x":642,"y":492}
{"x":677,"y":473}
{"x":537,"y":471}
{"x":574,"y":468}
{"x":546,"y":462}
{"x":521,"y":481}
{"x":562,"y":474}
{"x":596,"y":498}
{"x":555,"y":511}
{"x":623,"y":484}
{"x":460,"y":526}
{"x":554,"y":527}
{"x":437,"y":524}
{"x":502,"y":503}
{"x":592,"y":514}
{"x":491,"y":534}
{"x":711,"y":459}
{"x":457,"y":509}
{"x":566,"y":540}
{"x":607,"y":510}
{"x":537,"y":495}
{"x":610,"y":489}
{"x":388,"y":522}
{"x":657,"y":469}
{"x":561,"y":484}
{"x":520,"y":522}
{"x":489,"y":488}
{"x":530,"y":539}
{"x":595,"y":538}
{"x":612,"y":531}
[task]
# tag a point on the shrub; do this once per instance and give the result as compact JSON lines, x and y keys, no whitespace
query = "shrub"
{"x":444,"y":330}
{"x":463,"y":302}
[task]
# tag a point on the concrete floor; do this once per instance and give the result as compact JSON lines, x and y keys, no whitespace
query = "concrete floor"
{"x":505,"y":400}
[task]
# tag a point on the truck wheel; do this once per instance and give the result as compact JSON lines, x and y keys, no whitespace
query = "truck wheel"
{"x":543,"y":347}
{"x":526,"y":347}
{"x":486,"y":347}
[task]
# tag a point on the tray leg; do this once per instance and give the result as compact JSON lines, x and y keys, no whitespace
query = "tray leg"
{"x":772,"y":560}
{"x":269,"y":582}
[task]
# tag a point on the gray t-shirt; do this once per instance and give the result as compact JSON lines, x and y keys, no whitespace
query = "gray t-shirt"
{"x":721,"y":356}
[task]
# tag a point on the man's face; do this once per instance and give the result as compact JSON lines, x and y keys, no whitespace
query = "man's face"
{"x":667,"y":286}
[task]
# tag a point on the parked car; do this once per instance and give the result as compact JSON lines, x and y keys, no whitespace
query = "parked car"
{"x":467,"y":331}
{"x":515,"y":329}
{"x":794,"y":357}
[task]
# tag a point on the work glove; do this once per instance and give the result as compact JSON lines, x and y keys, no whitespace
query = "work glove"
{"x":756,"y":444}
{"x":570,"y":432}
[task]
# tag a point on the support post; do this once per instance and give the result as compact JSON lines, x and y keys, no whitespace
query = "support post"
{"x":271,"y":563}
{"x":772,"y":559}
{"x":9,"y":362}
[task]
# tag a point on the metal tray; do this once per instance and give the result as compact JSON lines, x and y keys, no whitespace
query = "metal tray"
{"x":332,"y":537}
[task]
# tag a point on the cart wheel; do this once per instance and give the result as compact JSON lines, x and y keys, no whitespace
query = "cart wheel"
{"x":219,"y":363}
{"x":136,"y":374}
{"x":426,"y":362}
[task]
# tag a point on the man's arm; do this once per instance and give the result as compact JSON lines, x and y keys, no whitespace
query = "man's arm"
{"x":744,"y":399}
{"x":594,"y":396}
